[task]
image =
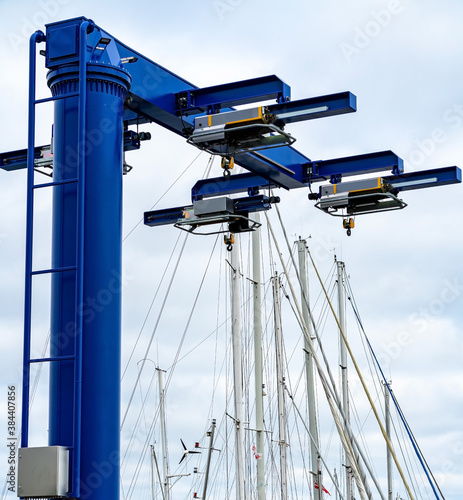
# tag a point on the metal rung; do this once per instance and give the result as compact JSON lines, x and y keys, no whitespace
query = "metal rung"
{"x":54,"y":183}
{"x":54,"y":270}
{"x":58,"y":358}
{"x":47,"y":99}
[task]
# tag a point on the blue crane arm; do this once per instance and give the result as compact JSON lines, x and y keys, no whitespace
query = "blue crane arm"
{"x":160,"y":96}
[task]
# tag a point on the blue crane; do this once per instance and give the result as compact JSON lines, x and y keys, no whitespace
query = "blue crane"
{"x":103,"y":90}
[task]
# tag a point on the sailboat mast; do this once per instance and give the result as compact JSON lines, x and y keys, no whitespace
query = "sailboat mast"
{"x":281,"y":388}
{"x":209,"y":455}
{"x":259,"y":383}
{"x":309,"y":369}
{"x":165,"y":458}
{"x":343,"y":366}
{"x":237,"y":370}
{"x":388,"y":433}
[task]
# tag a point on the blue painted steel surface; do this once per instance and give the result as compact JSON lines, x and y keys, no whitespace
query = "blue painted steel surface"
{"x":308,"y":172}
{"x":165,"y":216}
{"x":232,"y":94}
{"x":78,"y":402}
{"x":313,"y":107}
{"x":54,"y":270}
{"x":219,"y":186}
{"x":54,"y":183}
{"x":43,"y":360}
{"x":424,"y":179}
{"x":16,"y":160}
{"x":242,"y":206}
{"x":86,"y":304}
{"x":257,"y":203}
{"x":356,"y":165}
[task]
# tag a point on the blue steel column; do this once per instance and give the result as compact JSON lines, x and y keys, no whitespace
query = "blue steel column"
{"x":98,"y":149}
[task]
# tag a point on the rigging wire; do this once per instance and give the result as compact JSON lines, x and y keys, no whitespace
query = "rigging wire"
{"x":172,"y":368}
{"x":292,"y":391}
{"x":383,"y":431}
{"x":328,"y":390}
{"x":151,"y":305}
{"x":162,"y":196}
{"x":137,"y":424}
{"x":405,"y":451}
{"x":374,"y":373}
{"x":207,"y":170}
{"x":318,"y":449}
{"x":379,"y":377}
{"x":418,"y":451}
{"x":354,"y":362}
{"x":154,"y":330}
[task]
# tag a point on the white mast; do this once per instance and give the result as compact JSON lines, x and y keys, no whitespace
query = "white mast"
{"x":388,"y":433}
{"x":237,"y":370}
{"x":209,"y":454}
{"x":309,"y":370}
{"x":165,"y":458}
{"x":281,"y":388}
{"x":259,"y":385}
{"x":343,"y":366}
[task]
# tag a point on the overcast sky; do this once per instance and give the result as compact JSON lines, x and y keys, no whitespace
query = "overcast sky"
{"x":403,"y":59}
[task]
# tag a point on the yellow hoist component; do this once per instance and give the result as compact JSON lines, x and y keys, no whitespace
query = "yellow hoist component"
{"x":229,"y":241}
{"x":228,"y":163}
{"x":348,"y":224}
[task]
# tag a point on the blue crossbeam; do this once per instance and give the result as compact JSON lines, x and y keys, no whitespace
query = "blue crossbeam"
{"x":314,"y":107}
{"x":337,"y":168}
{"x":232,"y":94}
{"x":217,"y":186}
{"x":425,"y":179}
{"x":257,"y":203}
{"x":164,"y":216}
{"x":242,"y":206}
{"x":303,"y":173}
{"x":355,"y":165}
{"x":16,"y":160}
